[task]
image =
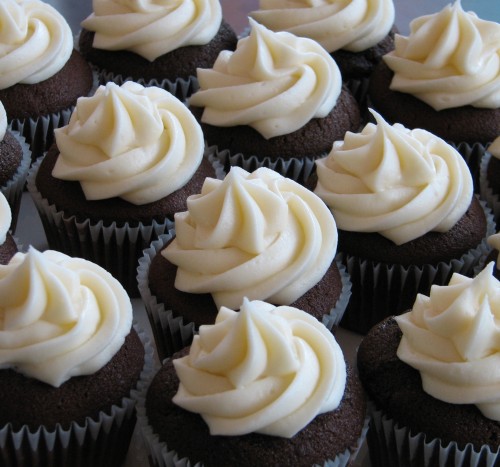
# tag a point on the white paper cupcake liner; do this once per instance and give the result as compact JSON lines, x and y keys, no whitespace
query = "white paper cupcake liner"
{"x":13,"y":189}
{"x":380,"y":290}
{"x":102,"y":441}
{"x":394,"y":445}
{"x":173,"y":333}
{"x":161,"y":456}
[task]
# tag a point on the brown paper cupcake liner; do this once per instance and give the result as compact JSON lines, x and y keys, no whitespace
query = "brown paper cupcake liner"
{"x":492,"y":200}
{"x":172,"y":333}
{"x":393,"y":445}
{"x":380,"y":290}
{"x":13,"y":189}
{"x":100,"y":441}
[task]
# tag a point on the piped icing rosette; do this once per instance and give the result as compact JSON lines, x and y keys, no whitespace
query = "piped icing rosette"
{"x":152,"y":28}
{"x":35,"y":42}
{"x":273,"y":82}
{"x":263,"y":369}
{"x":450,"y":59}
{"x":398,"y":182}
{"x":257,"y":235}
{"x":354,"y":26}
{"x":5,"y":218}
{"x":452,"y":337}
{"x":133,"y":142}
{"x":59,"y":316}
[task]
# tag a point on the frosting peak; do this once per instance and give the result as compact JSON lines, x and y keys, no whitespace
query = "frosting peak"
{"x":257,"y":235}
{"x":273,"y":82}
{"x":152,"y":28}
{"x":450,"y":59}
{"x":263,"y":369}
{"x":35,"y":42}
{"x":398,"y":182}
{"x":452,"y":338}
{"x":354,"y":25}
{"x":133,"y":142}
{"x":59,"y":316}
{"x":5,"y":218}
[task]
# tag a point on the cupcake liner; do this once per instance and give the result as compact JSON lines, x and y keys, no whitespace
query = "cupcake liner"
{"x":393,"y":445}
{"x":492,"y":200}
{"x":173,"y":333}
{"x":359,"y":89}
{"x":380,"y":290}
{"x":102,"y":441}
{"x":160,"y":456}
{"x":13,"y":189}
{"x":296,"y":169}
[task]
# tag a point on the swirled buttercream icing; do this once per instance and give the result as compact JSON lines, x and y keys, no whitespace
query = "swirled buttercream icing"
{"x":273,"y":82}
{"x":450,"y":59}
{"x":59,"y":316}
{"x":35,"y":42}
{"x":151,"y":28}
{"x":3,"y":121}
{"x":398,"y":182}
{"x":257,"y":235}
{"x":5,"y":218}
{"x":263,"y":369}
{"x":452,"y":337}
{"x":133,"y":142}
{"x":354,"y":25}
{"x":494,"y":242}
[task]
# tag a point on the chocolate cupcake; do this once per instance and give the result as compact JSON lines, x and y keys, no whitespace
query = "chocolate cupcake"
{"x":258,"y":235}
{"x":324,"y":425}
{"x":159,"y":45}
{"x":39,"y":92}
{"x":407,"y":217}
{"x":431,"y":376}
{"x":73,"y":365}
{"x":277,"y":102}
{"x":111,"y":185}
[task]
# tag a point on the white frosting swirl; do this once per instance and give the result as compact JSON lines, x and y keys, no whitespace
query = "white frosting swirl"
{"x":450,"y":59}
{"x":5,"y":218}
{"x":35,"y":42}
{"x":133,"y":142}
{"x":494,"y":148}
{"x":494,"y":242}
{"x":59,"y":316}
{"x":273,"y":82}
{"x":3,"y":121}
{"x":398,"y":182}
{"x":258,"y":235}
{"x":452,"y":338}
{"x":355,"y":25}
{"x":151,"y":28}
{"x":262,"y":369}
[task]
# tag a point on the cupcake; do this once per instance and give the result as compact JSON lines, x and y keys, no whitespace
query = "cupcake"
{"x":489,"y":178}
{"x":407,"y":217}
{"x":155,"y":43}
{"x":119,"y":171}
{"x":432,"y":375}
{"x":71,"y":362}
{"x":257,"y":235}
{"x":41,"y":74}
{"x":356,"y":34}
{"x":218,"y":404}
{"x":444,"y":77}
{"x":277,"y":102}
{"x":8,"y":246}
{"x":15,"y":159}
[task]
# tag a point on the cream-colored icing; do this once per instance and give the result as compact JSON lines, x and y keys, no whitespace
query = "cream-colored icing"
{"x":35,"y":42}
{"x":452,"y":338}
{"x":494,"y":242}
{"x":59,"y":316}
{"x":494,"y":148}
{"x":263,"y":369}
{"x":151,"y":28}
{"x":3,"y":121}
{"x":273,"y":82}
{"x":450,"y":59}
{"x":257,"y":235}
{"x":353,"y":25}
{"x":398,"y":182}
{"x":133,"y":142}
{"x":5,"y":218}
